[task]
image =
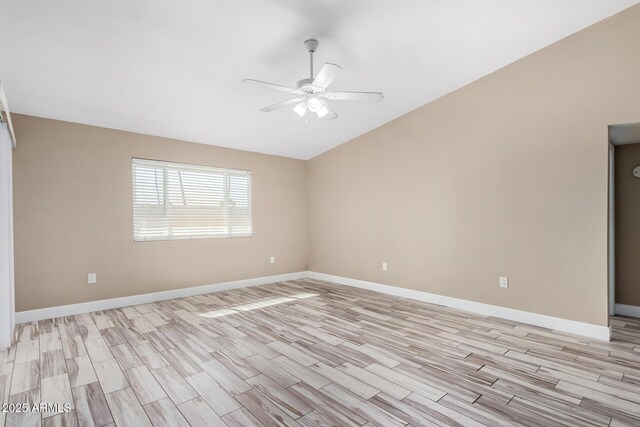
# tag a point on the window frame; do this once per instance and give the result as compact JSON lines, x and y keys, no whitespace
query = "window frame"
{"x":226,"y":172}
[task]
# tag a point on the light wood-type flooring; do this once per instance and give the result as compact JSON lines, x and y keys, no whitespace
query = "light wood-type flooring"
{"x":312,"y":353}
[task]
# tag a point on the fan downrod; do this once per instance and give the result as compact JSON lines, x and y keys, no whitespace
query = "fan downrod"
{"x":306,"y":84}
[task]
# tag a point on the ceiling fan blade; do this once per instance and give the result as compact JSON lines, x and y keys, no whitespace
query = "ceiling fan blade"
{"x":355,"y":96}
{"x":269,"y":85}
{"x":283,"y":104}
{"x":327,"y":74}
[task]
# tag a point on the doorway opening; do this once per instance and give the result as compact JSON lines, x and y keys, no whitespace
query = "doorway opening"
{"x":624,"y":220}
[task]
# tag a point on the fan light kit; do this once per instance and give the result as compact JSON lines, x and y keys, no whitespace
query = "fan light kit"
{"x":312,"y":92}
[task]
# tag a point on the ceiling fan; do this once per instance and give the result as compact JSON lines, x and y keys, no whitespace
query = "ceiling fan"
{"x":312,"y":93}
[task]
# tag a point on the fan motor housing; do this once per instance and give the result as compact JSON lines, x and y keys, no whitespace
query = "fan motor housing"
{"x":305,"y":82}
{"x":306,"y":85}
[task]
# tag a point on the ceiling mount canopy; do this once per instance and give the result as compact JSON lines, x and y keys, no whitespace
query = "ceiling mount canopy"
{"x":312,"y":93}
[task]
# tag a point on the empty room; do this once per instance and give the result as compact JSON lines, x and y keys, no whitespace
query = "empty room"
{"x":320,"y":213}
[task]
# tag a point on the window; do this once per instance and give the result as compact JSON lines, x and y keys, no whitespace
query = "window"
{"x":181,"y":201}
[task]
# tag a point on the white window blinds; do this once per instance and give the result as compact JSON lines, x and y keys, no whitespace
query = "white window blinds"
{"x":181,"y":201}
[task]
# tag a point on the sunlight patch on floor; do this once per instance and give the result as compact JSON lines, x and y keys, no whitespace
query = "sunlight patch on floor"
{"x":256,"y":305}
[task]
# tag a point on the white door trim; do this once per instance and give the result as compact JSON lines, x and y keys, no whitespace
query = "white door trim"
{"x":611,"y":265}
{"x":6,"y":238}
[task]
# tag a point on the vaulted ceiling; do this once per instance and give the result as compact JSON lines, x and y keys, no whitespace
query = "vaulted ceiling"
{"x":174,"y":69}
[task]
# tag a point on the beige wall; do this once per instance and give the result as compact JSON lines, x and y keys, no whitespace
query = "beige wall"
{"x":506,"y":176}
{"x":627,"y":193}
{"x":73,"y":216}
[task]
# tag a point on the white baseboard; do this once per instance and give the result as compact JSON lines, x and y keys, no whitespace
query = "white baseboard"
{"x":628,"y":310}
{"x":556,"y":323}
{"x":550,"y":322}
{"x":107,"y":304}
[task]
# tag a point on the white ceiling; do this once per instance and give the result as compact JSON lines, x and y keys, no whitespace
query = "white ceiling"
{"x":174,"y":69}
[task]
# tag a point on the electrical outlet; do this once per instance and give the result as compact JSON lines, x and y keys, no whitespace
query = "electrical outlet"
{"x":92,"y":278}
{"x":272,"y":260}
{"x":504,"y":282}
{"x":385,"y":267}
